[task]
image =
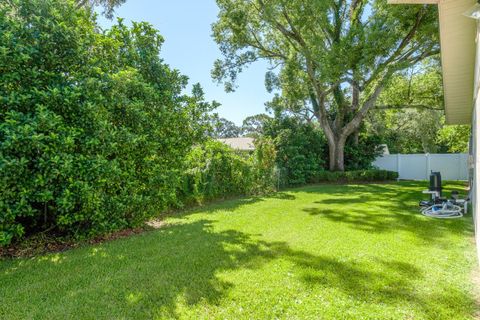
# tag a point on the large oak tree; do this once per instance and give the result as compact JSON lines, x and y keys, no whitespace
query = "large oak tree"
{"x":332,"y":56}
{"x":107,"y":5}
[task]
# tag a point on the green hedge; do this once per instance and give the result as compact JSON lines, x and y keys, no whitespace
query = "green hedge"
{"x":94,"y":126}
{"x":356,"y":175}
{"x":299,"y":147}
{"x":213,"y":170}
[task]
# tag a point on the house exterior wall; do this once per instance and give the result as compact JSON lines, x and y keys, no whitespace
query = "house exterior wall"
{"x":474,"y":159}
{"x":473,"y":170}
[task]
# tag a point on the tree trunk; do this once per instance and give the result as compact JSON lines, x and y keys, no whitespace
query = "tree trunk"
{"x":335,"y":133}
{"x":336,"y":146}
{"x":336,"y":151}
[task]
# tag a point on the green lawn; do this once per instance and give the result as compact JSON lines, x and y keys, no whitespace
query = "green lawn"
{"x":319,"y":252}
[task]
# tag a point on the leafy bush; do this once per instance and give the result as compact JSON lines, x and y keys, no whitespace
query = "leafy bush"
{"x":361,"y":155}
{"x":89,"y":139}
{"x":266,"y":175}
{"x":454,"y":138}
{"x":214,"y":170}
{"x":300,"y":149}
{"x":355,"y":175}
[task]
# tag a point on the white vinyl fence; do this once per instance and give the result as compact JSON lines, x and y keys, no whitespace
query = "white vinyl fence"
{"x":418,"y":166}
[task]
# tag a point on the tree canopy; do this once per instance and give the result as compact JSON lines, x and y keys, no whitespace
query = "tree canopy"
{"x":223,"y":128}
{"x":409,"y":115}
{"x":329,"y":58}
{"x":253,"y":126}
{"x":107,"y":5}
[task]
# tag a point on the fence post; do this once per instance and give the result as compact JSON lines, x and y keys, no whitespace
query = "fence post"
{"x":459,"y":166}
{"x":427,"y":158}
{"x":398,"y":166}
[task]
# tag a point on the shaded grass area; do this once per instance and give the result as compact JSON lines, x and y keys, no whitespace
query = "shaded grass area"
{"x":319,"y":252}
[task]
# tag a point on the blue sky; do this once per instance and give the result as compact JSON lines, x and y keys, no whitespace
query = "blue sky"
{"x":189,"y":47}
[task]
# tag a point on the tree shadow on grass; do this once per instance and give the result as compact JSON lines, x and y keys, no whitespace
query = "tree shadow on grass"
{"x":139,"y":277}
{"x":380,"y":282}
{"x":381,"y":209}
{"x":234,"y":204}
{"x":149,"y":275}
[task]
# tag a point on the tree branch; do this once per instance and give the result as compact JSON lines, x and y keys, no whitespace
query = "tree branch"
{"x":403,"y":43}
{"x":409,"y":106}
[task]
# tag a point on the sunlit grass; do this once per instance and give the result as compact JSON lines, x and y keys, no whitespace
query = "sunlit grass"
{"x":320,"y":252}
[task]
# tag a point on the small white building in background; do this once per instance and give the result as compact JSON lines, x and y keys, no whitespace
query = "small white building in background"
{"x":460,"y":54}
{"x":242,"y":144}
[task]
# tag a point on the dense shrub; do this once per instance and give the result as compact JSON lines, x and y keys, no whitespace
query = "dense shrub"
{"x":355,"y":175}
{"x":300,"y":149}
{"x":266,"y":174}
{"x":214,"y":170}
{"x":360,"y":155}
{"x":89,"y":122}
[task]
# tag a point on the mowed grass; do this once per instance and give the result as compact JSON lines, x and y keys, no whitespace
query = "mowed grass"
{"x":318,"y":252}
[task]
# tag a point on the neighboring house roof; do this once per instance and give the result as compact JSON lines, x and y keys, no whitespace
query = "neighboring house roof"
{"x":245,"y":144}
{"x":457,"y":41}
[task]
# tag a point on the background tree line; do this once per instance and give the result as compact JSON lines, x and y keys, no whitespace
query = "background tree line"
{"x":408,"y":116}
